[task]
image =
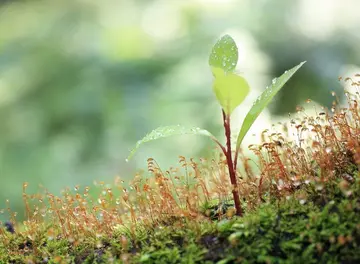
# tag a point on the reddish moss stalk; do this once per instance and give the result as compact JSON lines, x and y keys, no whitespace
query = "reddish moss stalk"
{"x":231,"y":167}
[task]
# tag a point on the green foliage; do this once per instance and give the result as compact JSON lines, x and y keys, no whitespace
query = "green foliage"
{"x":70,"y":87}
{"x":230,"y":89}
{"x":289,"y":232}
{"x":298,"y":233}
{"x":171,"y":244}
{"x":167,"y":131}
{"x":224,"y":54}
{"x":263,"y":100}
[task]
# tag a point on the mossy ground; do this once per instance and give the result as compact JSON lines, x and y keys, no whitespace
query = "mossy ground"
{"x":325,"y":229}
{"x":302,"y":205}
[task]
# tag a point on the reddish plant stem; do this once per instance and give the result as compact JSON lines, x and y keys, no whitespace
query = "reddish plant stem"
{"x":236,"y":157}
{"x":230,"y":163}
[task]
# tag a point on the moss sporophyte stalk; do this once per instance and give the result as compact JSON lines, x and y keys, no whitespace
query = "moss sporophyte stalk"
{"x":299,"y":197}
{"x":230,"y":90}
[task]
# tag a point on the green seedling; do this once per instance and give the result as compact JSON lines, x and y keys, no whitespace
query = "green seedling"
{"x":230,"y":90}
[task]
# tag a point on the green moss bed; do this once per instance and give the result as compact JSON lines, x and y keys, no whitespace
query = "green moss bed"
{"x":325,"y":228}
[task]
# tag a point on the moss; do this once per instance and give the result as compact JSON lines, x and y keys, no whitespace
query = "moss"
{"x":302,"y":206}
{"x":290,"y":231}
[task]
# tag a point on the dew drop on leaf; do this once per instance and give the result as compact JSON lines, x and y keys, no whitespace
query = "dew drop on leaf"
{"x":224,"y":54}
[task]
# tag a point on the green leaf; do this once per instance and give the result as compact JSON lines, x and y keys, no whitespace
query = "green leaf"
{"x":167,"y":131}
{"x":263,"y":100}
{"x":230,"y":89}
{"x":224,"y":54}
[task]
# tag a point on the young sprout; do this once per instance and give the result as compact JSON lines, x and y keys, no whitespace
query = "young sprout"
{"x":230,"y":90}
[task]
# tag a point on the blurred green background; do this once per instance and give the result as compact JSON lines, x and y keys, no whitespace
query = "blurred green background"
{"x":82,"y":80}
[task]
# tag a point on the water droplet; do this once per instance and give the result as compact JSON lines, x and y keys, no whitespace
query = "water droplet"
{"x":274,"y":80}
{"x":302,"y":201}
{"x":126,"y":160}
{"x":319,"y":187}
